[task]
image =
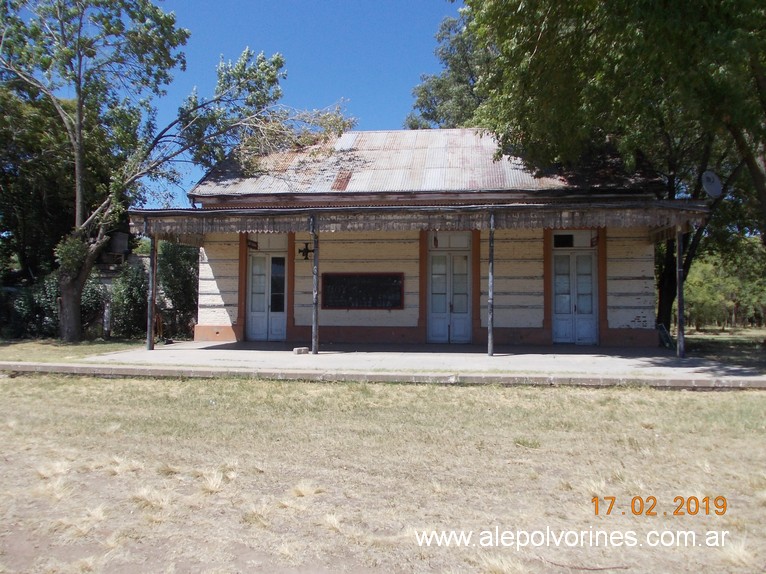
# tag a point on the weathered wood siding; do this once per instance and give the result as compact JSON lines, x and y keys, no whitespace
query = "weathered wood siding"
{"x":360,"y":253}
{"x":218,"y":279}
{"x":630,"y":278}
{"x":519,"y":261}
{"x":518,"y":278}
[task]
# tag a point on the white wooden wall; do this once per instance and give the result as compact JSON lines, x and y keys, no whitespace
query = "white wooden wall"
{"x":630,"y":278}
{"x":518,"y":278}
{"x":360,"y":253}
{"x":218,"y":280}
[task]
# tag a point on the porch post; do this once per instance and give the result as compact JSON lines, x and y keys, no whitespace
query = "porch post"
{"x":150,"y":307}
{"x":681,"y":346}
{"x":315,"y":294}
{"x":491,"y":289}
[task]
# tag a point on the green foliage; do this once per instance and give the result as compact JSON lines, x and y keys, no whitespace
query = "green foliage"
{"x":678,"y":84}
{"x":33,"y":311}
{"x":129,"y":302}
{"x":70,"y":255}
{"x":132,"y":39}
{"x":450,"y":99}
{"x":143,"y":247}
{"x":114,"y":57}
{"x":7,"y":326}
{"x":729,"y":288}
{"x":36,"y":206}
{"x":675,"y":88}
{"x":177,"y":275}
{"x":34,"y":213}
{"x":84,"y":47}
{"x":94,"y":298}
{"x":245,"y":89}
{"x":708,"y":294}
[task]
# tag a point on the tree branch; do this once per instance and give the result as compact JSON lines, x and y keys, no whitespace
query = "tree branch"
{"x":760,"y":78}
{"x":177,"y":122}
{"x":707,"y":151}
{"x":30,"y":80}
{"x":691,"y":251}
{"x":106,"y":204}
{"x":756,"y":168}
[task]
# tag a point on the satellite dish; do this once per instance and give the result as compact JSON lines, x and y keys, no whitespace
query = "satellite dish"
{"x":712,"y":184}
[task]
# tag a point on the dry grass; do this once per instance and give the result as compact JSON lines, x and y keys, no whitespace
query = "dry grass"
{"x":306,"y":488}
{"x":212,"y":481}
{"x":148,"y":498}
{"x":54,"y":351}
{"x":220,"y":476}
{"x":257,"y":515}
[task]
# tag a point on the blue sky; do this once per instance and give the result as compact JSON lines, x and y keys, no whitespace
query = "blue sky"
{"x":370,"y":53}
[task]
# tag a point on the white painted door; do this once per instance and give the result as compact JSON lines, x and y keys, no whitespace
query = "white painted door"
{"x":574,"y":298}
{"x":266,"y":317}
{"x":449,"y":316}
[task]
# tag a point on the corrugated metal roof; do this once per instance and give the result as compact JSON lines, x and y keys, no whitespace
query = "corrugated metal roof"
{"x":459,"y":160}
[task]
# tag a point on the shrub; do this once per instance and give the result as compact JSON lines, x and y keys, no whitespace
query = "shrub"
{"x":129,"y":293}
{"x":35,"y":313}
{"x":94,"y":298}
{"x":177,"y":274}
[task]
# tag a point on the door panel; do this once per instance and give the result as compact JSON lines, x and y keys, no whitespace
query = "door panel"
{"x":266,"y":317}
{"x":449,"y":312}
{"x":574,"y":298}
{"x":438,"y":316}
{"x":585,"y":317}
{"x":277,"y":316}
{"x":257,"y":316}
{"x":460,"y":316}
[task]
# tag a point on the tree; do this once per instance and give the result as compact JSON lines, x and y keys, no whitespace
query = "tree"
{"x":113,"y":57}
{"x":449,"y":99}
{"x":36,"y":210}
{"x":568,"y":74}
{"x":728,"y":288}
{"x":32,"y":310}
{"x":661,"y":83}
{"x":33,"y":168}
{"x":177,"y":275}
{"x":109,"y":55}
{"x":129,"y":301}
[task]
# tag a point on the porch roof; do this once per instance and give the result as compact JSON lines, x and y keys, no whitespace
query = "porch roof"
{"x":190,"y":225}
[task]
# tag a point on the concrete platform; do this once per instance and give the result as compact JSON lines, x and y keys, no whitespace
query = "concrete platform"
{"x":558,"y":365}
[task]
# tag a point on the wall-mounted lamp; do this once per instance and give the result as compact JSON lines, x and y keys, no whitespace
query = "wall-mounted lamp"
{"x":436,"y":240}
{"x":305,"y":251}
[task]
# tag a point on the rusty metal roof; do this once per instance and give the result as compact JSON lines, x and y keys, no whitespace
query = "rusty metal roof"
{"x":412,"y":180}
{"x":401,"y":161}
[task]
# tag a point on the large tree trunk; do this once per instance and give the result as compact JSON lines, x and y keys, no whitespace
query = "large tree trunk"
{"x":70,"y":317}
{"x":666,"y":285}
{"x":72,"y":283}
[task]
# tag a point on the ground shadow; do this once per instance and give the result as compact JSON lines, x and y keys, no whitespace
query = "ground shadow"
{"x":648,"y":356}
